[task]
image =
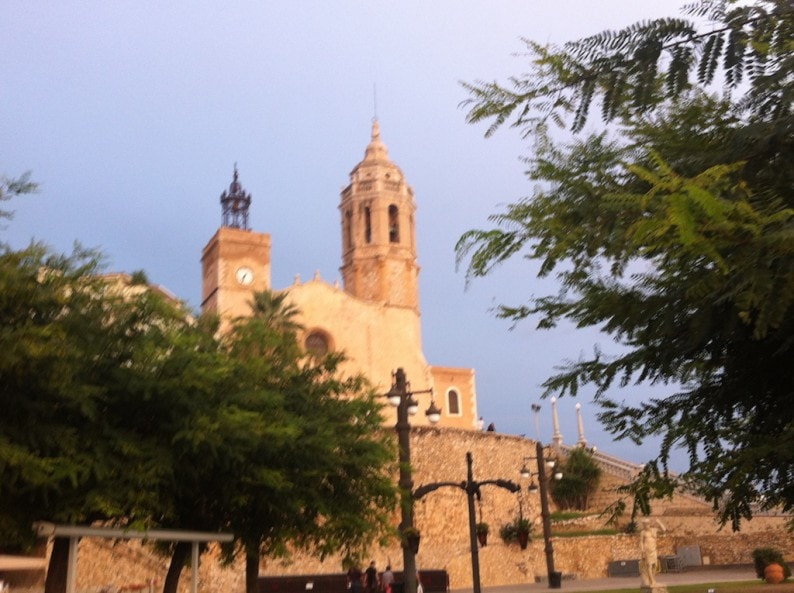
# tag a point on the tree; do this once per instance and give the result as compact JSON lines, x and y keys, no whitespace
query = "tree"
{"x":580,"y":478}
{"x":286,"y":454}
{"x":274,"y":308}
{"x":324,"y":482}
{"x":93,"y":372}
{"x":672,"y":233}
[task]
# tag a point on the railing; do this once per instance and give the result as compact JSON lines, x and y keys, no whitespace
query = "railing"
{"x":612,"y":465}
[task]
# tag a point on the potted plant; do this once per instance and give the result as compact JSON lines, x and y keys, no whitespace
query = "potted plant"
{"x":517,"y":530}
{"x":523,"y":527}
{"x":482,"y":533}
{"x":769,"y":565}
{"x":410,"y":539}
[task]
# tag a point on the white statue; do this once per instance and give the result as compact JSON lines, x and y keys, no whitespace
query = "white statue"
{"x":649,"y":559}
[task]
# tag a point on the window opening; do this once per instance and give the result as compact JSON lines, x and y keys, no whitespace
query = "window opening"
{"x":394,"y":224}
{"x":453,"y":403}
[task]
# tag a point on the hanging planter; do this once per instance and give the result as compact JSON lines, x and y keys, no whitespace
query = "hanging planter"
{"x":518,"y":530}
{"x":482,"y":533}
{"x":523,"y":538}
{"x":410,"y":539}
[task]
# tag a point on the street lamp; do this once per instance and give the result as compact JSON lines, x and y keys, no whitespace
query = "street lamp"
{"x":554,"y":577}
{"x":400,"y":397}
{"x":472,"y":489}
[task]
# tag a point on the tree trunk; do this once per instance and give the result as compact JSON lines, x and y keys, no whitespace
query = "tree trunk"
{"x":59,"y":564}
{"x":252,"y":571}
{"x":178,"y":558}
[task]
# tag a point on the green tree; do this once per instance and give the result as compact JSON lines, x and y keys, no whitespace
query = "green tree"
{"x":671,"y":233}
{"x":323,"y":481}
{"x":88,"y":369}
{"x":275,"y":309}
{"x":581,"y":475}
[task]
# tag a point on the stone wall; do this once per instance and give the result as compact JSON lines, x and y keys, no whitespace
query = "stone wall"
{"x":439,"y":455}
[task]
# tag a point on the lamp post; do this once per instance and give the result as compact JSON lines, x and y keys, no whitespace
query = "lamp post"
{"x":554,"y":577}
{"x":472,"y":489}
{"x":406,"y":405}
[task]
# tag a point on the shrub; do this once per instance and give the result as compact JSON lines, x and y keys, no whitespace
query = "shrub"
{"x":762,"y":557}
{"x":580,"y":478}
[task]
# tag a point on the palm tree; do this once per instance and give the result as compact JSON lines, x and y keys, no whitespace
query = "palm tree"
{"x":273,"y":308}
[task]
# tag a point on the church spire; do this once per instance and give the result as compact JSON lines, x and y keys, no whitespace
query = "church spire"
{"x":235,"y":204}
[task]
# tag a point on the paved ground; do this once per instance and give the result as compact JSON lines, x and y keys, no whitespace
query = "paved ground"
{"x":710,"y":575}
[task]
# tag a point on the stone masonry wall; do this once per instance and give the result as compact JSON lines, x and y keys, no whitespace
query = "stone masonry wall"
{"x":439,"y":455}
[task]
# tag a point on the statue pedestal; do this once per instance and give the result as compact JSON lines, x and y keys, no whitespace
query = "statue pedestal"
{"x":653,"y":589}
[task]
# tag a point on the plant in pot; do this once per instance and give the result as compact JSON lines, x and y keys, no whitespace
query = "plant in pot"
{"x":482,"y":533}
{"x":410,"y":539}
{"x":518,"y":530}
{"x":523,"y":528}
{"x":769,"y":565}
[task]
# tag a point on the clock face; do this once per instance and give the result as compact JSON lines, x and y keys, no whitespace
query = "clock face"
{"x":245,"y":276}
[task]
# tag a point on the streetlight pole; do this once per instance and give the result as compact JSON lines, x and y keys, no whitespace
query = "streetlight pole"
{"x":402,"y":398}
{"x":553,"y":577}
{"x":472,"y":489}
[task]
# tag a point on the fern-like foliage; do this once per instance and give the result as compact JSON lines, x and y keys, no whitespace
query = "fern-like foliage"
{"x":674,"y":236}
{"x":633,"y":70}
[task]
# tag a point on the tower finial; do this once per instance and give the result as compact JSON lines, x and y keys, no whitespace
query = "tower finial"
{"x":376,"y":150}
{"x":235,"y":203}
{"x":375,"y":102}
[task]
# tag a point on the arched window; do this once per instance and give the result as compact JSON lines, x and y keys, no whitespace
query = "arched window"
{"x":394,"y":224}
{"x":453,"y":403}
{"x":367,"y":225}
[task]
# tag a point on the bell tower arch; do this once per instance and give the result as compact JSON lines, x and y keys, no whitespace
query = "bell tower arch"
{"x":379,"y":260}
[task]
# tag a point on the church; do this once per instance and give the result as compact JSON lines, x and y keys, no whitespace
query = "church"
{"x":374,"y":317}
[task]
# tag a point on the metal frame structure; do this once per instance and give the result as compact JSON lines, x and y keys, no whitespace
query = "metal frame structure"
{"x":75,"y":532}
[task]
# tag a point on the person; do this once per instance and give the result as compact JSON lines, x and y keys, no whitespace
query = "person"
{"x":354,"y":576}
{"x":491,"y":427}
{"x":387,"y":579}
{"x":371,"y":578}
{"x":419,"y":588}
{"x":649,"y":559}
{"x":480,"y":424}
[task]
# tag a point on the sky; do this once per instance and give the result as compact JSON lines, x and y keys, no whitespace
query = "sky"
{"x":132,"y":115}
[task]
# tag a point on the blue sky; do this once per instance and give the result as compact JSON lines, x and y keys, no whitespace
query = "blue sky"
{"x":131,"y":116}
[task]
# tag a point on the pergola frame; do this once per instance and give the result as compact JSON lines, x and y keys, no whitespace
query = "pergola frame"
{"x":75,"y":532}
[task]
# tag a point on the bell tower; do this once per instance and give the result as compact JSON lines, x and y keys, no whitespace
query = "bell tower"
{"x":378,"y":231}
{"x":236,"y":261}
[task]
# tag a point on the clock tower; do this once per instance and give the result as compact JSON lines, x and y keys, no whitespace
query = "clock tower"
{"x":236,"y":261}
